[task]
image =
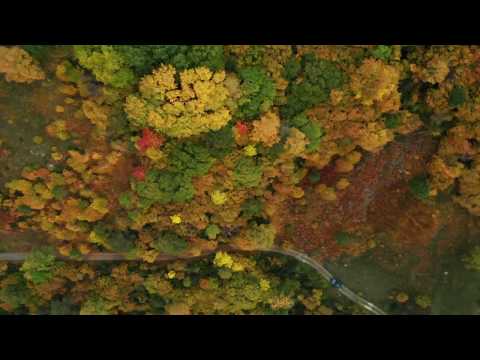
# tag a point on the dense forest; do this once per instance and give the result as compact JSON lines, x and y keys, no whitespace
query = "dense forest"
{"x":182,"y":150}
{"x":221,"y":284}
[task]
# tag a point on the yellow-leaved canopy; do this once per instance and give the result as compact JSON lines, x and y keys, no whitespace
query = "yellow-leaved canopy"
{"x":200,"y":103}
{"x":18,"y":66}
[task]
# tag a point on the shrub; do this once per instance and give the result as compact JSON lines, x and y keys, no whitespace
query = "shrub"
{"x":419,"y":187}
{"x":170,"y":243}
{"x":39,"y":265}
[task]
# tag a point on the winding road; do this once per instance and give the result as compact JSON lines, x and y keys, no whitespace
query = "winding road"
{"x":331,"y":279}
{"x":20,"y":256}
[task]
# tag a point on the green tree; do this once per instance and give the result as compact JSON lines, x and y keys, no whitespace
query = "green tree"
{"x":96,"y":305}
{"x":120,"y":241}
{"x":312,"y":131}
{"x":18,"y":294}
{"x":122,"y":65}
{"x":292,"y":69}
{"x":248,"y":173}
{"x":40,"y":52}
{"x":258,"y":93}
{"x":189,"y":158}
{"x":170,"y":243}
{"x":252,"y":208}
{"x":319,"y":77}
{"x":212,"y":231}
{"x":392,"y":121}
{"x":419,"y":187}
{"x":220,"y":143}
{"x":106,"y":64}
{"x":458,"y":96}
{"x":263,"y":235}
{"x":126,"y":200}
{"x":165,"y":187}
{"x":382,"y":52}
{"x":143,"y":58}
{"x":39,"y":266}
{"x":254,"y":56}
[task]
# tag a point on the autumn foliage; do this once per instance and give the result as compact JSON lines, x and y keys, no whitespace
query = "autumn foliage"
{"x":19,"y":66}
{"x":196,"y":105}
{"x":178,"y":150}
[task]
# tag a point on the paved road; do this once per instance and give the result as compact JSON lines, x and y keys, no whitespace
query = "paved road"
{"x":19,"y":257}
{"x":331,"y":279}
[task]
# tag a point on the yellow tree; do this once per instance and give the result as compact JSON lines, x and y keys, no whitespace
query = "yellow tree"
{"x":197,"y":105}
{"x":376,"y":83}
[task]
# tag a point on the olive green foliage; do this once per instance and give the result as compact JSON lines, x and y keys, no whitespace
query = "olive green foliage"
{"x":186,"y":160}
{"x":186,"y":57}
{"x":314,"y":176}
{"x":63,"y":307}
{"x":457,"y":97}
{"x":95,"y":305}
{"x":406,"y":87}
{"x":241,"y":291}
{"x":473,"y":259}
{"x":419,"y":187}
{"x":275,"y":151}
{"x":319,"y":77}
{"x":106,"y":64}
{"x":391,"y":121}
{"x":258,"y":93}
{"x":423,"y":301}
{"x":312,"y":131}
{"x":252,"y":208}
{"x":126,"y":200}
{"x":248,"y":173}
{"x":212,"y":231}
{"x":25,"y":210}
{"x":211,"y":56}
{"x":292,"y":69}
{"x":39,"y":265}
{"x":59,"y":192}
{"x":122,"y":65}
{"x":189,"y":158}
{"x":120,"y":241}
{"x":224,"y":274}
{"x":253,"y":56}
{"x":101,"y":231}
{"x":39,"y":52}
{"x":72,"y":73}
{"x":18,"y":294}
{"x":143,"y":58}
{"x":344,"y":238}
{"x":170,"y":243}
{"x":262,"y":235}
{"x":382,"y":52}
{"x":165,"y":187}
{"x":220,"y":143}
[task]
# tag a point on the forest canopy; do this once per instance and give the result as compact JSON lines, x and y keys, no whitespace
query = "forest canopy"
{"x":154,"y":151}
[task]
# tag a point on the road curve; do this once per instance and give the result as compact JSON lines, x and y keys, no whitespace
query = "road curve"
{"x":20,"y":256}
{"x":329,"y":277}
